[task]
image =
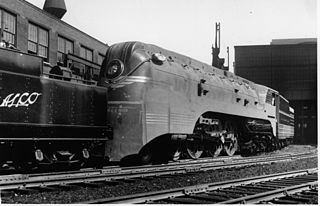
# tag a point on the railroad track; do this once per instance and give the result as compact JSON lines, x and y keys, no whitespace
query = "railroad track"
{"x":110,"y":175}
{"x":294,"y":187}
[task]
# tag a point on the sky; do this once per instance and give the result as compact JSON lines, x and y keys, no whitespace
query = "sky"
{"x":188,"y":26}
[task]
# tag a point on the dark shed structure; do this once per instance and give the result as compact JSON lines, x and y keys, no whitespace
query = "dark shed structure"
{"x":289,"y":66}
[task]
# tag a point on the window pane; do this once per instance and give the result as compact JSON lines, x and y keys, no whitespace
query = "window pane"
{"x":82,"y":52}
{"x":43,"y":37}
{"x":32,"y":36}
{"x":42,"y":51}
{"x":60,"y":58}
{"x":60,"y":44}
{"x":9,"y":22}
{"x":32,"y":47}
{"x":8,"y":37}
{"x":69,"y":47}
{"x":64,"y":45}
{"x":89,"y":55}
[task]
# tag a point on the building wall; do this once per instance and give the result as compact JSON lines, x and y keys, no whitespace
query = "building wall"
{"x":290,"y":69}
{"x":26,"y":12}
{"x":305,"y":121}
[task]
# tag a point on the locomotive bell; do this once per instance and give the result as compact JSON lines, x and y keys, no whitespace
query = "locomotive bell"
{"x":55,"y":7}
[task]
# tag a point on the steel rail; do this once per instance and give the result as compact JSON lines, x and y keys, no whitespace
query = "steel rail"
{"x":165,"y":194}
{"x":182,"y":163}
{"x":254,"y":199}
{"x":10,"y":182}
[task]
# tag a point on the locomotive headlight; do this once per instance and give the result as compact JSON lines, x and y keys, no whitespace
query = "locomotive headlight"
{"x":114,"y":69}
{"x":158,"y":58}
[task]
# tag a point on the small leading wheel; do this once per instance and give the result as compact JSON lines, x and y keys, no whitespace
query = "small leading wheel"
{"x":194,"y":148}
{"x":231,"y":139}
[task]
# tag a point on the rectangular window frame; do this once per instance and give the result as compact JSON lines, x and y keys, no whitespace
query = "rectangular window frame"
{"x":63,"y":49}
{"x":12,"y":31}
{"x":86,"y":50}
{"x":39,"y":43}
{"x":64,"y":42}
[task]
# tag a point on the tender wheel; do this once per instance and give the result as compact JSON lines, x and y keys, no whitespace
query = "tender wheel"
{"x":194,"y":148}
{"x":175,"y":150}
{"x":231,"y":139}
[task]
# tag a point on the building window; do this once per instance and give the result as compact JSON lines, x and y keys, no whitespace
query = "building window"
{"x":38,"y":41}
{"x":7,"y":27}
{"x":100,"y":59}
{"x":86,"y":53}
{"x":65,"y":47}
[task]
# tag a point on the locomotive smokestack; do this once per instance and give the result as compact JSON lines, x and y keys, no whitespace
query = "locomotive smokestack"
{"x":55,"y":7}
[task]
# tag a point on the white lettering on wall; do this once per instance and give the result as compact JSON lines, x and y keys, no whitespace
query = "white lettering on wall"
{"x":20,"y":100}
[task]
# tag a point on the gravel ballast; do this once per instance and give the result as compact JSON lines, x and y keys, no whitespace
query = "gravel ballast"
{"x":163,"y":183}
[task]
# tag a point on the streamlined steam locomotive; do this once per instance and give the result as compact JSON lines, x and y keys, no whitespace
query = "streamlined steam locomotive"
{"x":149,"y":102}
{"x":48,"y":115}
{"x":163,"y":105}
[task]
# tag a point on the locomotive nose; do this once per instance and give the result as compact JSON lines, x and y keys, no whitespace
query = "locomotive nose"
{"x":114,"y":70}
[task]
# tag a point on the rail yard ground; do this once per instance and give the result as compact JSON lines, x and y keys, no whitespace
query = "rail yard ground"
{"x":167,"y":182}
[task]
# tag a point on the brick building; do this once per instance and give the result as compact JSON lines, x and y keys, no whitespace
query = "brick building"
{"x":290,"y":67}
{"x":36,"y":31}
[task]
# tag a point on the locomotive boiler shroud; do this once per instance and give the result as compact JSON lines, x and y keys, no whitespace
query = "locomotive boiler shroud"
{"x":161,"y":103}
{"x":45,"y":120}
